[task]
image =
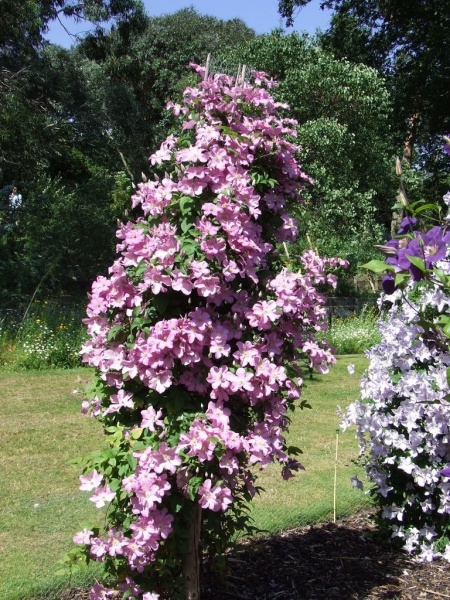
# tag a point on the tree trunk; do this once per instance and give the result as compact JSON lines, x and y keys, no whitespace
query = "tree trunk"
{"x":191,"y":567}
{"x":402,"y":199}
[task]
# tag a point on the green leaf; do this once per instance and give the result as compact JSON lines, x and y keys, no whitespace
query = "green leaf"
{"x":377,"y":266}
{"x":417,"y":262}
{"x":189,"y":248}
{"x":114,"y":332}
{"x":186,"y":225}
{"x":114,"y":484}
{"x":141,"y":268}
{"x":424,"y":207}
{"x":396,"y":377}
{"x":186,"y":205}
{"x":193,"y":485}
{"x":138,"y":445}
{"x":294,"y":450}
{"x":442,"y":276}
{"x":136,"y":433}
{"x":400,"y":278}
{"x":132,"y":461}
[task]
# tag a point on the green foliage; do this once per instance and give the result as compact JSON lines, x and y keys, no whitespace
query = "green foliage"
{"x":76,"y":126}
{"x":61,"y":239}
{"x":354,"y":334}
{"x":23,"y":23}
{"x":120,"y":195}
{"x":408,"y":45}
{"x":133,"y":77}
{"x":48,"y":335}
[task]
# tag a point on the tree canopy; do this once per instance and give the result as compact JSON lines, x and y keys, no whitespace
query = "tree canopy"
{"x":23,"y":24}
{"x":407,"y":42}
{"x":76,"y":127}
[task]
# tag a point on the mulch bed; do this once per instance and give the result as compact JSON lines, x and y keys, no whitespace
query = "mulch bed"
{"x":341,"y":561}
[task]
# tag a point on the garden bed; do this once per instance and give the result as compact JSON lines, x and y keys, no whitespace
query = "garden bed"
{"x":342,"y":561}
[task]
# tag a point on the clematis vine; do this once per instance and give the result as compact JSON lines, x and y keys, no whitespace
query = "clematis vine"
{"x":198,"y":337}
{"x":403,"y":414}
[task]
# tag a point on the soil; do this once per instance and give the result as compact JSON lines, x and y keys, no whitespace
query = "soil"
{"x":330,"y":561}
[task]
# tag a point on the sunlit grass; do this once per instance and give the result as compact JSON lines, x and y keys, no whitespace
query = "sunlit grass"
{"x":309,"y":496}
{"x":41,"y":430}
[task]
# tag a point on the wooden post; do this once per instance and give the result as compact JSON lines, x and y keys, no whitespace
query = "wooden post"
{"x":402,"y":199}
{"x":208,"y":63}
{"x":191,"y":567}
{"x":243,"y":74}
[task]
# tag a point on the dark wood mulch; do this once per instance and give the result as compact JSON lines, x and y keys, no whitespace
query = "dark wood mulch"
{"x":341,"y":561}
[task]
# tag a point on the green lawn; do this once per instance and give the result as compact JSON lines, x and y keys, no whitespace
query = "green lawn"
{"x":309,"y":496}
{"x":41,"y":430}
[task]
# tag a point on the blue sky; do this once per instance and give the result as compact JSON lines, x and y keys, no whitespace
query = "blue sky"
{"x":260,"y":15}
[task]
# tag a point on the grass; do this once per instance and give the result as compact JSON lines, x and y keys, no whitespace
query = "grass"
{"x":41,"y":430}
{"x":308,"y":497}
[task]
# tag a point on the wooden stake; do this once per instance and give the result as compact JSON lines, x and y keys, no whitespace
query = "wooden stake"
{"x":191,"y":566}
{"x":208,"y":64}
{"x":335,"y":476}
{"x":243,"y":74}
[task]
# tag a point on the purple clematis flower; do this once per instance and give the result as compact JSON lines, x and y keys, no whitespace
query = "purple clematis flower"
{"x":388,"y":284}
{"x":400,"y":260}
{"x":407,"y":225}
{"x":445,"y":472}
{"x":430,"y":246}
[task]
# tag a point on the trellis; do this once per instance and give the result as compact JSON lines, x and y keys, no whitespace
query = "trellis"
{"x":240,"y":71}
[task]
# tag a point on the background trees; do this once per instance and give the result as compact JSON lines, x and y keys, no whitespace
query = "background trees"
{"x":75,"y":130}
{"x":76,"y":125}
{"x":409,"y":45}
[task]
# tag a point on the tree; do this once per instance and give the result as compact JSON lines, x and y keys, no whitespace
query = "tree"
{"x":133,"y":77}
{"x":409,"y":44}
{"x":24,"y":23}
{"x":81,"y":117}
{"x":53,"y":144}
